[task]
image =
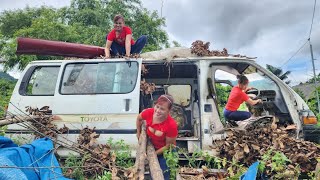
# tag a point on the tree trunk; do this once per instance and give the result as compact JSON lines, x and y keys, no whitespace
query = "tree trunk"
{"x":155,"y":170}
{"x":317,"y":175}
{"x":141,"y":152}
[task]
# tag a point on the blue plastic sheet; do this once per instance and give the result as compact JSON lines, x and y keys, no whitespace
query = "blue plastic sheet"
{"x":251,"y":173}
{"x":29,"y":157}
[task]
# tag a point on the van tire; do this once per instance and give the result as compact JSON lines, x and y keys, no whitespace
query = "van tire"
{"x":311,"y":133}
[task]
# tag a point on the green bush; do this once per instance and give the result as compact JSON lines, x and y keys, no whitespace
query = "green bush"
{"x":122,"y":151}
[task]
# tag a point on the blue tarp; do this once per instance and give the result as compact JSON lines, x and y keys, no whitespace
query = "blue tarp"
{"x":30,"y":156}
{"x":251,"y":173}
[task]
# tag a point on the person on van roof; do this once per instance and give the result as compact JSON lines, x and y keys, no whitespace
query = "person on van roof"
{"x":162,"y":129}
{"x":236,"y":98}
{"x":120,"y":40}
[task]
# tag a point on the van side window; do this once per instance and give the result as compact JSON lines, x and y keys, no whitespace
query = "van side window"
{"x":99,"y":78}
{"x":43,"y":81}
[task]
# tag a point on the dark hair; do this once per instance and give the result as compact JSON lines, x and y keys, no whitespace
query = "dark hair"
{"x":117,"y":17}
{"x":166,"y":98}
{"x":242,"y":79}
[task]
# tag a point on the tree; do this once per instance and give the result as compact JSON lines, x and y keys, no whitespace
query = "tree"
{"x":312,"y":102}
{"x":312,"y":79}
{"x":6,"y":88}
{"x":84,"y":21}
{"x":176,"y":44}
{"x":279,"y":73}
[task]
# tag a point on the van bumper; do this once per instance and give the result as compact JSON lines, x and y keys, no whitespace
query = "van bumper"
{"x":311,"y":133}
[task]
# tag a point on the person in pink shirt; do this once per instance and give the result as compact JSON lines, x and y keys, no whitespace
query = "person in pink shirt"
{"x":120,"y":40}
{"x":236,"y":98}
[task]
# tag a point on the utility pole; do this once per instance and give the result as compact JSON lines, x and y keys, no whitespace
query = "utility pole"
{"x":314,"y":74}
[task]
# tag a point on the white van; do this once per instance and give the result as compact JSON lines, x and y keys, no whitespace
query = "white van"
{"x":105,"y":94}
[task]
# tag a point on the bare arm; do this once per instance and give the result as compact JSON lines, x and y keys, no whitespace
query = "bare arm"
{"x":107,"y":49}
{"x":138,"y":124}
{"x":253,"y":102}
{"x":128,"y":44}
{"x":169,"y":141}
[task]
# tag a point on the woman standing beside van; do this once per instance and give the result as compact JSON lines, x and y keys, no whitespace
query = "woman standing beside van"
{"x":162,"y":129}
{"x":236,"y":98}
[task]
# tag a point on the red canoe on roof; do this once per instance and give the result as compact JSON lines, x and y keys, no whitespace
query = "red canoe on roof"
{"x":57,"y":48}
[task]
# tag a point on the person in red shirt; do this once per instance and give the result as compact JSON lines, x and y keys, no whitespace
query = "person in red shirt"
{"x":236,"y":98}
{"x":162,"y":129}
{"x":120,"y":40}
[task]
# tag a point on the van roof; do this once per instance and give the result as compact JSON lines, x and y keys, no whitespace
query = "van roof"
{"x":169,"y":54}
{"x":151,"y":60}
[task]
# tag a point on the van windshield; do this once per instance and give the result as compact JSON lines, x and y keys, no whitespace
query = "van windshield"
{"x":99,"y":78}
{"x":261,"y":82}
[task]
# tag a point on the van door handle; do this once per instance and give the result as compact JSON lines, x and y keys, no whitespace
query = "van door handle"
{"x":127,"y":104}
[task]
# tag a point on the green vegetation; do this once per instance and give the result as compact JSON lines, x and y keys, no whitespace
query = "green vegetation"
{"x":76,"y":163}
{"x":172,"y":159}
{"x":6,"y":88}
{"x":106,"y":176}
{"x":3,"y":130}
{"x":84,"y":21}
{"x":122,"y":152}
{"x":222,"y":98}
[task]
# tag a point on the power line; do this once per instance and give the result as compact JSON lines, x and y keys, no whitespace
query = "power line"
{"x":294,"y":54}
{"x":314,"y":9}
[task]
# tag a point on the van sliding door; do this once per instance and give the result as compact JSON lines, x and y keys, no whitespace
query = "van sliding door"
{"x":99,"y":88}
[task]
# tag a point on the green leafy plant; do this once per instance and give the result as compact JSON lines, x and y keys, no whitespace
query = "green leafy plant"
{"x":122,"y":152}
{"x":3,"y":130}
{"x":279,"y":161}
{"x":194,"y":158}
{"x":106,"y":176}
{"x":235,"y":170}
{"x":263,"y":162}
{"x":76,"y":171}
{"x":172,"y":160}
{"x":214,"y":162}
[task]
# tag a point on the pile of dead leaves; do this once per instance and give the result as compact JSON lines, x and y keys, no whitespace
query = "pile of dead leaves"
{"x":42,"y":121}
{"x":248,"y":146}
{"x":147,"y":88}
{"x":200,"y":48}
{"x":100,"y":156}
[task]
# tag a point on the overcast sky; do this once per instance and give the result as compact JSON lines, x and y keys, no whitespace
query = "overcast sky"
{"x":271,"y":30}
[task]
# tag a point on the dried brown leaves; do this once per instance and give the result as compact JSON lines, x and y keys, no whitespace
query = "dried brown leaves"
{"x":250,"y":145}
{"x":42,"y":121}
{"x":87,"y":140}
{"x":147,"y":88}
{"x":201,"y":48}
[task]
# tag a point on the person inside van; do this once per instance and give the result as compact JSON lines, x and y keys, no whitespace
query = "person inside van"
{"x":162,"y":129}
{"x":236,"y":98}
{"x":120,"y":40}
